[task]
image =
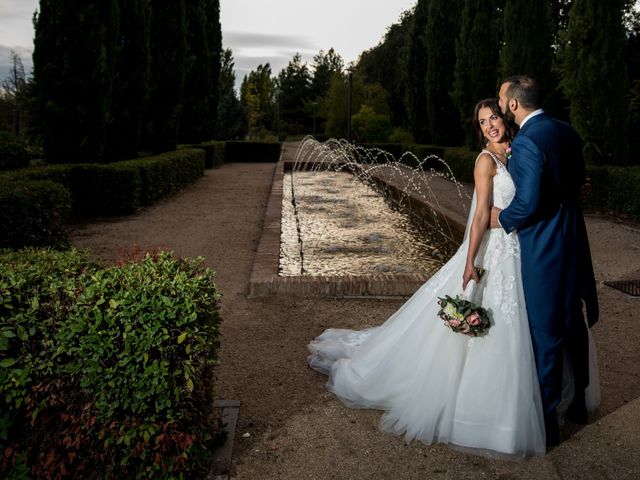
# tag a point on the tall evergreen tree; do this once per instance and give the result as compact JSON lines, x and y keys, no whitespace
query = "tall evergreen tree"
{"x":633,"y":63}
{"x":416,"y":99}
{"x":442,"y":115}
{"x":294,"y":88}
{"x":214,"y":37}
{"x":232,"y":119}
{"x":527,"y":41}
{"x":195,"y":119}
{"x":168,"y":63}
{"x":75,"y":51}
{"x":324,"y":66}
{"x":475,"y":74}
{"x":130,"y":88}
{"x":594,"y":78}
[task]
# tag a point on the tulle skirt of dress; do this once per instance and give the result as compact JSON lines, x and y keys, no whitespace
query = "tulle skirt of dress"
{"x":478,"y":394}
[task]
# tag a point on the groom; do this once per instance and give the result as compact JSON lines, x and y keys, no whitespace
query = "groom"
{"x":548,"y":170}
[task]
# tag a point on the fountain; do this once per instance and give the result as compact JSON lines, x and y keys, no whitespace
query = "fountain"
{"x":355,"y":221}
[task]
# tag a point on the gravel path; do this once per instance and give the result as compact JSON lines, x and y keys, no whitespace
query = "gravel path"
{"x":296,"y":430}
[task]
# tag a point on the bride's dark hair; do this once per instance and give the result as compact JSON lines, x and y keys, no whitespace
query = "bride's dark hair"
{"x":492,"y":103}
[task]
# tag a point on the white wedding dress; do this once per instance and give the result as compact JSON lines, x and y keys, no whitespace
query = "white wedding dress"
{"x":477,"y":394}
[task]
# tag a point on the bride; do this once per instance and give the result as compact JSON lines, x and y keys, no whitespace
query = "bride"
{"x":476,"y":394}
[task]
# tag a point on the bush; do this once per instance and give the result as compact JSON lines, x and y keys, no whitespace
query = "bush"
{"x":33,"y":213}
{"x":400,"y":136}
{"x":13,"y":154}
{"x":369,"y":126}
{"x":105,"y":372}
{"x":236,"y":151}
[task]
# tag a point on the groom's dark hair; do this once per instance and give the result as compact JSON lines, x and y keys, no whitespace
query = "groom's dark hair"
{"x":524,"y":89}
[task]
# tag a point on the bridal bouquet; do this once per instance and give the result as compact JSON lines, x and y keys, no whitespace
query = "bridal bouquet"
{"x":463,"y":316}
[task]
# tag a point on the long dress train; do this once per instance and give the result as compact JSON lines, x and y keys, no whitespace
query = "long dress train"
{"x":478,"y":394}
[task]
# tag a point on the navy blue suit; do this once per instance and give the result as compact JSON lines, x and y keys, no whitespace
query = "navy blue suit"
{"x":548,"y":171}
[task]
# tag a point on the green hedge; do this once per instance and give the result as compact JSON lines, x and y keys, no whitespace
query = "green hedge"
{"x":614,"y":188}
{"x":106,"y":372}
{"x":105,"y":189}
{"x":120,"y":188}
{"x":237,"y":151}
{"x":214,"y":153}
{"x":166,"y":174}
{"x":33,"y":213}
{"x":461,"y":161}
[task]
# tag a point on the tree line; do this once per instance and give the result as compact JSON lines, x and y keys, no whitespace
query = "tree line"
{"x":112,"y":78}
{"x":421,"y":81}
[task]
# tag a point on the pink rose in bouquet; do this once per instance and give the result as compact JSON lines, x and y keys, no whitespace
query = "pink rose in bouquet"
{"x":463,"y":316}
{"x":474,"y":319}
{"x":454,"y":322}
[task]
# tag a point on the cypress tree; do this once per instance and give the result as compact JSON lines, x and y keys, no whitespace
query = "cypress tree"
{"x":195,"y":121}
{"x":294,"y":85}
{"x":130,"y":89}
{"x":527,"y":41}
{"x":75,"y":51}
{"x":232,"y":121}
{"x":214,"y":36}
{"x":167,"y":72}
{"x":475,"y":74}
{"x":633,"y":64}
{"x":417,"y":74}
{"x":594,"y":78}
{"x":442,"y":26}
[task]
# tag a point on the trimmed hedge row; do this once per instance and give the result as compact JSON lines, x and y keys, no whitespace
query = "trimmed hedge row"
{"x":214,"y":153}
{"x":122,"y":187}
{"x":614,"y":188}
{"x":461,"y":161}
{"x":33,"y":213}
{"x":106,"y":372}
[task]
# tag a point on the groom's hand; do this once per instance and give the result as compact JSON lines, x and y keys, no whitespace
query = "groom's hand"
{"x":494,"y":223}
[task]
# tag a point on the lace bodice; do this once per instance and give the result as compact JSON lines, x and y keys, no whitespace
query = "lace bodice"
{"x":503,"y":187}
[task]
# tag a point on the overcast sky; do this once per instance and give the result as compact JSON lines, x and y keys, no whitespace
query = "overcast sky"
{"x":258,"y":31}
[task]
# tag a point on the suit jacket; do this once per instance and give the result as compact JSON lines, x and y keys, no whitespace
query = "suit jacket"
{"x":548,"y":171}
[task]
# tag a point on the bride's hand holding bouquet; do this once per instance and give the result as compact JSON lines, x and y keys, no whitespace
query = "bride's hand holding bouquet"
{"x":462,"y":315}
